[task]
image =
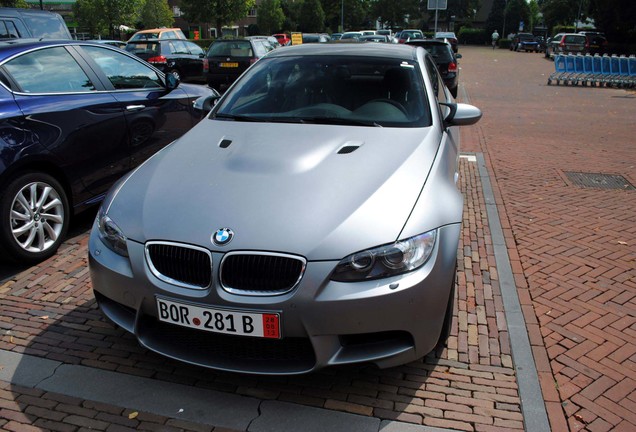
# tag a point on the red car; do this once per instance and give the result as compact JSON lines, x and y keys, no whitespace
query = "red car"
{"x":282,"y":38}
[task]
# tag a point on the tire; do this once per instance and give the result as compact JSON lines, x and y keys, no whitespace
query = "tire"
{"x":453,"y":92}
{"x":448,"y":318}
{"x":34,"y":217}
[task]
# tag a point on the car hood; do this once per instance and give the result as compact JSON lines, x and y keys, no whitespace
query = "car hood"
{"x":318,"y":191}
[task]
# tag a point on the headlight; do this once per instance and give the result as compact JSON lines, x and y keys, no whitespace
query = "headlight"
{"x":110,"y":234}
{"x":384,"y":261}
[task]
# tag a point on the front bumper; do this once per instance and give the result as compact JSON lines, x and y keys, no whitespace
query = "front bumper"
{"x":386,"y":322}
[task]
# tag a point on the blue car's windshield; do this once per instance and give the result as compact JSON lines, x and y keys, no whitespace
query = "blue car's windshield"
{"x":330,"y":90}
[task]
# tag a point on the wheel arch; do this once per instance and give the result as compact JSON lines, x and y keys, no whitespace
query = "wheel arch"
{"x":41,"y":165}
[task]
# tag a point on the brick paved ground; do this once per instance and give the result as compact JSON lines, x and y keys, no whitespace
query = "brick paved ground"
{"x":573,"y":250}
{"x":48,"y":311}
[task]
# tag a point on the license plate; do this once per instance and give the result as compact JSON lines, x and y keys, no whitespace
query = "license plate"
{"x":239,"y":323}
{"x":229,"y":65}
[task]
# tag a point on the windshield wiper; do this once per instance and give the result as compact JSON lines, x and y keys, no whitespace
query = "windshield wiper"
{"x":237,"y":117}
{"x":339,"y":121}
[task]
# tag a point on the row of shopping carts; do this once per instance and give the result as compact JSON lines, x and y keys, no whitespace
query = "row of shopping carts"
{"x":594,"y":70}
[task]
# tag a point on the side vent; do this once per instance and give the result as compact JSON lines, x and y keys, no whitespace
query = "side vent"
{"x":225,"y":143}
{"x":348,"y":149}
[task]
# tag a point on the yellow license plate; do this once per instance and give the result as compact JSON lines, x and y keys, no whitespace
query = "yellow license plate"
{"x":229,"y":65}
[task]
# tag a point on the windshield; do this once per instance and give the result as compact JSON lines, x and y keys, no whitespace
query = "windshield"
{"x":360,"y":91}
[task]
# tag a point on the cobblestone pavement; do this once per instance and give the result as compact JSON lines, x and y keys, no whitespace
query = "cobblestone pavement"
{"x":573,"y":249}
{"x":48,"y":311}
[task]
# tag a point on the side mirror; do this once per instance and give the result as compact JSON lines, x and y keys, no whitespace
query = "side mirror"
{"x":461,"y":114}
{"x":458,"y":56}
{"x":172,"y":82}
{"x":204,"y":104}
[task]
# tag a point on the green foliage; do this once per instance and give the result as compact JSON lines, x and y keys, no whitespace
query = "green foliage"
{"x":516,"y":12}
{"x":473,"y":36}
{"x":312,"y":17}
{"x":504,"y":43}
{"x":616,"y":18}
{"x":219,"y":12}
{"x":14,"y":4}
{"x":270,"y":16}
{"x":105,"y":16}
{"x":559,"y":12}
{"x":392,"y":13}
{"x":562,"y":29}
{"x":496,"y":18}
{"x":156,"y":13}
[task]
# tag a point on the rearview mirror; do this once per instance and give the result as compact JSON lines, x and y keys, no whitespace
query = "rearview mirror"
{"x":172,"y":82}
{"x":461,"y":114}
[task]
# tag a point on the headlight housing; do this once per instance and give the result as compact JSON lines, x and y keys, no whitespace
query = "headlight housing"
{"x":388,"y":260}
{"x":110,"y":234}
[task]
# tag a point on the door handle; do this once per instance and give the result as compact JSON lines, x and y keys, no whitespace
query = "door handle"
{"x":135,"y":107}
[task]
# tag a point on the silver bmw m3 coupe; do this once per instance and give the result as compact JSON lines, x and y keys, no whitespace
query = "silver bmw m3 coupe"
{"x":311,"y":219}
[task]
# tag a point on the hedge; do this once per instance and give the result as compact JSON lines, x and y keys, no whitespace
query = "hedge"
{"x":473,"y":36}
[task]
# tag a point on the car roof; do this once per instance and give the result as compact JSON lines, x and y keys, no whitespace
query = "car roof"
{"x":11,"y":47}
{"x":402,"y":52}
{"x":420,"y":42}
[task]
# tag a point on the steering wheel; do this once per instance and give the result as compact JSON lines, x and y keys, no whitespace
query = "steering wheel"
{"x":392,"y":102}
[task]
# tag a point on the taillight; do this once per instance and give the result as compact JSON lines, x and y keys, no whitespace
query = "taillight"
{"x":206,"y":65}
{"x":158,"y":60}
{"x":452,"y":67}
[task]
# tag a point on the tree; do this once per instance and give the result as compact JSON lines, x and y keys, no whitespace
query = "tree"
{"x":219,"y":12}
{"x":270,"y":16}
{"x":495,"y":20}
{"x":88,"y":16}
{"x":312,"y":17}
{"x":156,"y":13}
{"x":617,"y":18}
{"x":100,"y":16}
{"x":534,"y":11}
{"x":557,"y":12}
{"x":14,"y":4}
{"x":393,"y":13}
{"x":517,"y":11}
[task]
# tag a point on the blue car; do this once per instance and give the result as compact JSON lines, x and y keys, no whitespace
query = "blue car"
{"x":74,"y":118}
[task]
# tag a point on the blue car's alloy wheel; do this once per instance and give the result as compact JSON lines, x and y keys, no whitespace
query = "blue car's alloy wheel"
{"x":34,"y":216}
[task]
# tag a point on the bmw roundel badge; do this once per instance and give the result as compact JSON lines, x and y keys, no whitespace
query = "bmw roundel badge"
{"x":222,"y":236}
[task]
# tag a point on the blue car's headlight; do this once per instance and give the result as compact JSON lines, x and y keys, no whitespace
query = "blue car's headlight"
{"x":384,"y":261}
{"x":110,"y":234}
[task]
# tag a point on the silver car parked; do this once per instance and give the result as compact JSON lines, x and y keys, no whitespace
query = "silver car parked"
{"x":312,"y":219}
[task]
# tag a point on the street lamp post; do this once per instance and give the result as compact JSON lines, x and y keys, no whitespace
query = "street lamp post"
{"x":503,"y":30}
{"x":342,"y":16}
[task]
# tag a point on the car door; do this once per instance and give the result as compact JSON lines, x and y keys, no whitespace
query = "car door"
{"x":155,"y":116}
{"x":77,"y":125}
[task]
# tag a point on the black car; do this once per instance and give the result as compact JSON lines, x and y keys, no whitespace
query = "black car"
{"x":229,"y":58}
{"x":76,"y":117}
{"x":596,"y":42}
{"x":183,"y":59}
{"x":445,"y":59}
{"x":525,"y":42}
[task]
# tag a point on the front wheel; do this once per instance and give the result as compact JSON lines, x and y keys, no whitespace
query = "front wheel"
{"x":34,"y":217}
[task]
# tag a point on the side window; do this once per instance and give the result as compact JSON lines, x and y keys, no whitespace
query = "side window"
{"x":194,"y":48}
{"x":124,"y":72}
{"x":179,"y":47}
{"x":50,"y":70}
{"x":433,"y":75}
{"x":168,"y":35}
{"x":12,"y":30}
